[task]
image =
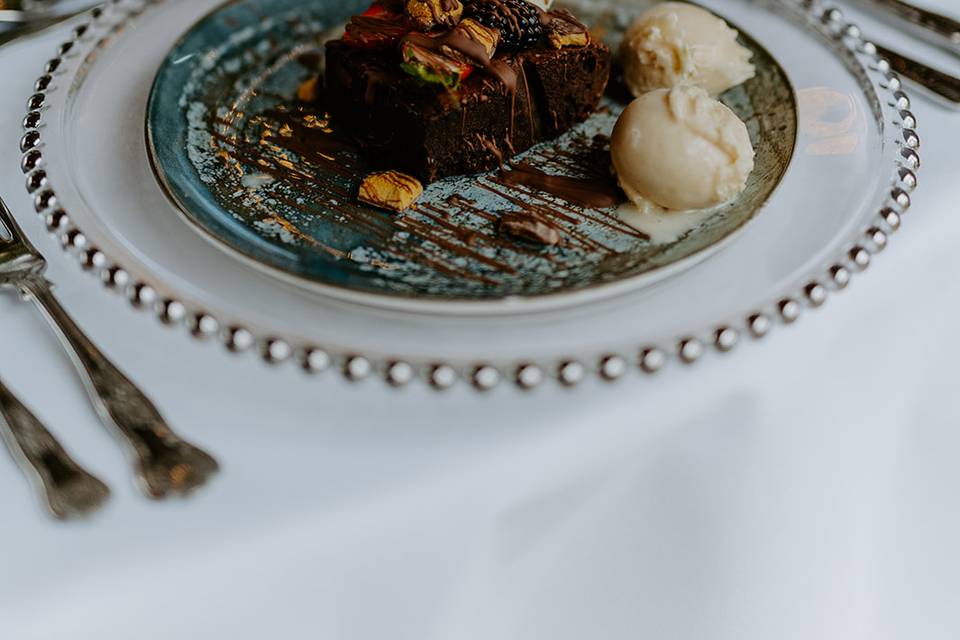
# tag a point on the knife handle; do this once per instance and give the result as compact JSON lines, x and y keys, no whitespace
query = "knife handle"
{"x":937,"y":29}
{"x":942,"y":87}
{"x":68,"y":489}
{"x":165,"y":464}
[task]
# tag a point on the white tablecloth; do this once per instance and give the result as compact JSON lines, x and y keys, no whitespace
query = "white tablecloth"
{"x":801,"y":487}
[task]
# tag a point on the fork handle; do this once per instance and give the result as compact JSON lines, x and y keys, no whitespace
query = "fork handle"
{"x":165,"y":464}
{"x":68,"y":489}
{"x":935,"y":28}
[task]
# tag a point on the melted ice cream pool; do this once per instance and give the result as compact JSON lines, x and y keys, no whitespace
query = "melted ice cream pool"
{"x":663,"y":226}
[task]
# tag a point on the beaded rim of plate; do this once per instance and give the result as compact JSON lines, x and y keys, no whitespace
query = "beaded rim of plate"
{"x":482,"y":376}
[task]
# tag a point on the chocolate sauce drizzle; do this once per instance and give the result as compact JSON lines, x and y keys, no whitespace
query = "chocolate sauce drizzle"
{"x":312,"y":172}
{"x":584,"y":192}
{"x":300,"y":147}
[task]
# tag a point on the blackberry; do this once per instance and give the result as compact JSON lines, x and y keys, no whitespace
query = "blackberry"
{"x":517,"y":20}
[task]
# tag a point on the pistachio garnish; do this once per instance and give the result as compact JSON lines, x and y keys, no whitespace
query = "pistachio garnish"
{"x":427,"y":14}
{"x":390,"y":190}
{"x":564,"y":30}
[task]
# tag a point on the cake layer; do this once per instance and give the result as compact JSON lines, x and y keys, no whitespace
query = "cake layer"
{"x":431,"y":133}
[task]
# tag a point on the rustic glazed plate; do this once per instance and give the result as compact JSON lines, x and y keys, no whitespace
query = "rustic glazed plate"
{"x":257,"y":172}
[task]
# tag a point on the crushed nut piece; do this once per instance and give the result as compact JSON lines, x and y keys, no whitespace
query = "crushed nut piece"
{"x":561,"y":40}
{"x":564,"y":30}
{"x":471,"y":29}
{"x":528,"y":228}
{"x":427,"y":14}
{"x":390,"y":190}
{"x":313,"y":122}
{"x":307,"y":92}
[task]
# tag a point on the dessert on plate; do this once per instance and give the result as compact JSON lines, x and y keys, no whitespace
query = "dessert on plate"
{"x":435,"y":88}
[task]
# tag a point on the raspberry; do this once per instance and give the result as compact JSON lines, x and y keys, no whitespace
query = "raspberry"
{"x":517,"y":20}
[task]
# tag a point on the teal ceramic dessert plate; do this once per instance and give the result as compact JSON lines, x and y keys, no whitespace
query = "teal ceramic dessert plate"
{"x":260,"y":174}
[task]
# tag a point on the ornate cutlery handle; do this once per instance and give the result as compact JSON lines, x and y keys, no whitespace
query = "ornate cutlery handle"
{"x":69,"y":490}
{"x":945,"y":88}
{"x":165,"y":464}
{"x":933,"y":27}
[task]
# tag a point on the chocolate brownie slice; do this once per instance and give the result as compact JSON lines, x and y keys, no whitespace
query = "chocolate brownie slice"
{"x":432,"y":131}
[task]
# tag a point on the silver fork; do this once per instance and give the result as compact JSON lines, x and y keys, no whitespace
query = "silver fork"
{"x":20,"y":11}
{"x":15,"y":15}
{"x":68,"y":490}
{"x":165,"y":464}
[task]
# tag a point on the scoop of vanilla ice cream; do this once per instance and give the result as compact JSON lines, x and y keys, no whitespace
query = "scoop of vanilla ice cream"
{"x":680,"y":149}
{"x":676,"y":43}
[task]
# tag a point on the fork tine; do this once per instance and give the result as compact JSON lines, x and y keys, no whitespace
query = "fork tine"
{"x":10,"y":229}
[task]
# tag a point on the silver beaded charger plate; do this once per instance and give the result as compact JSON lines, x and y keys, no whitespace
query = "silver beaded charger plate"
{"x":847,"y":186}
{"x":271,"y":179}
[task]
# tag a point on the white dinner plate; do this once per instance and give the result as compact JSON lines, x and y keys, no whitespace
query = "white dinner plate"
{"x":847,"y":185}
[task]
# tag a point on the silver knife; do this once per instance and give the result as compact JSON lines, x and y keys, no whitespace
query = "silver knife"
{"x":165,"y":464}
{"x":937,"y":29}
{"x":941,"y":87}
{"x":69,"y":491}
